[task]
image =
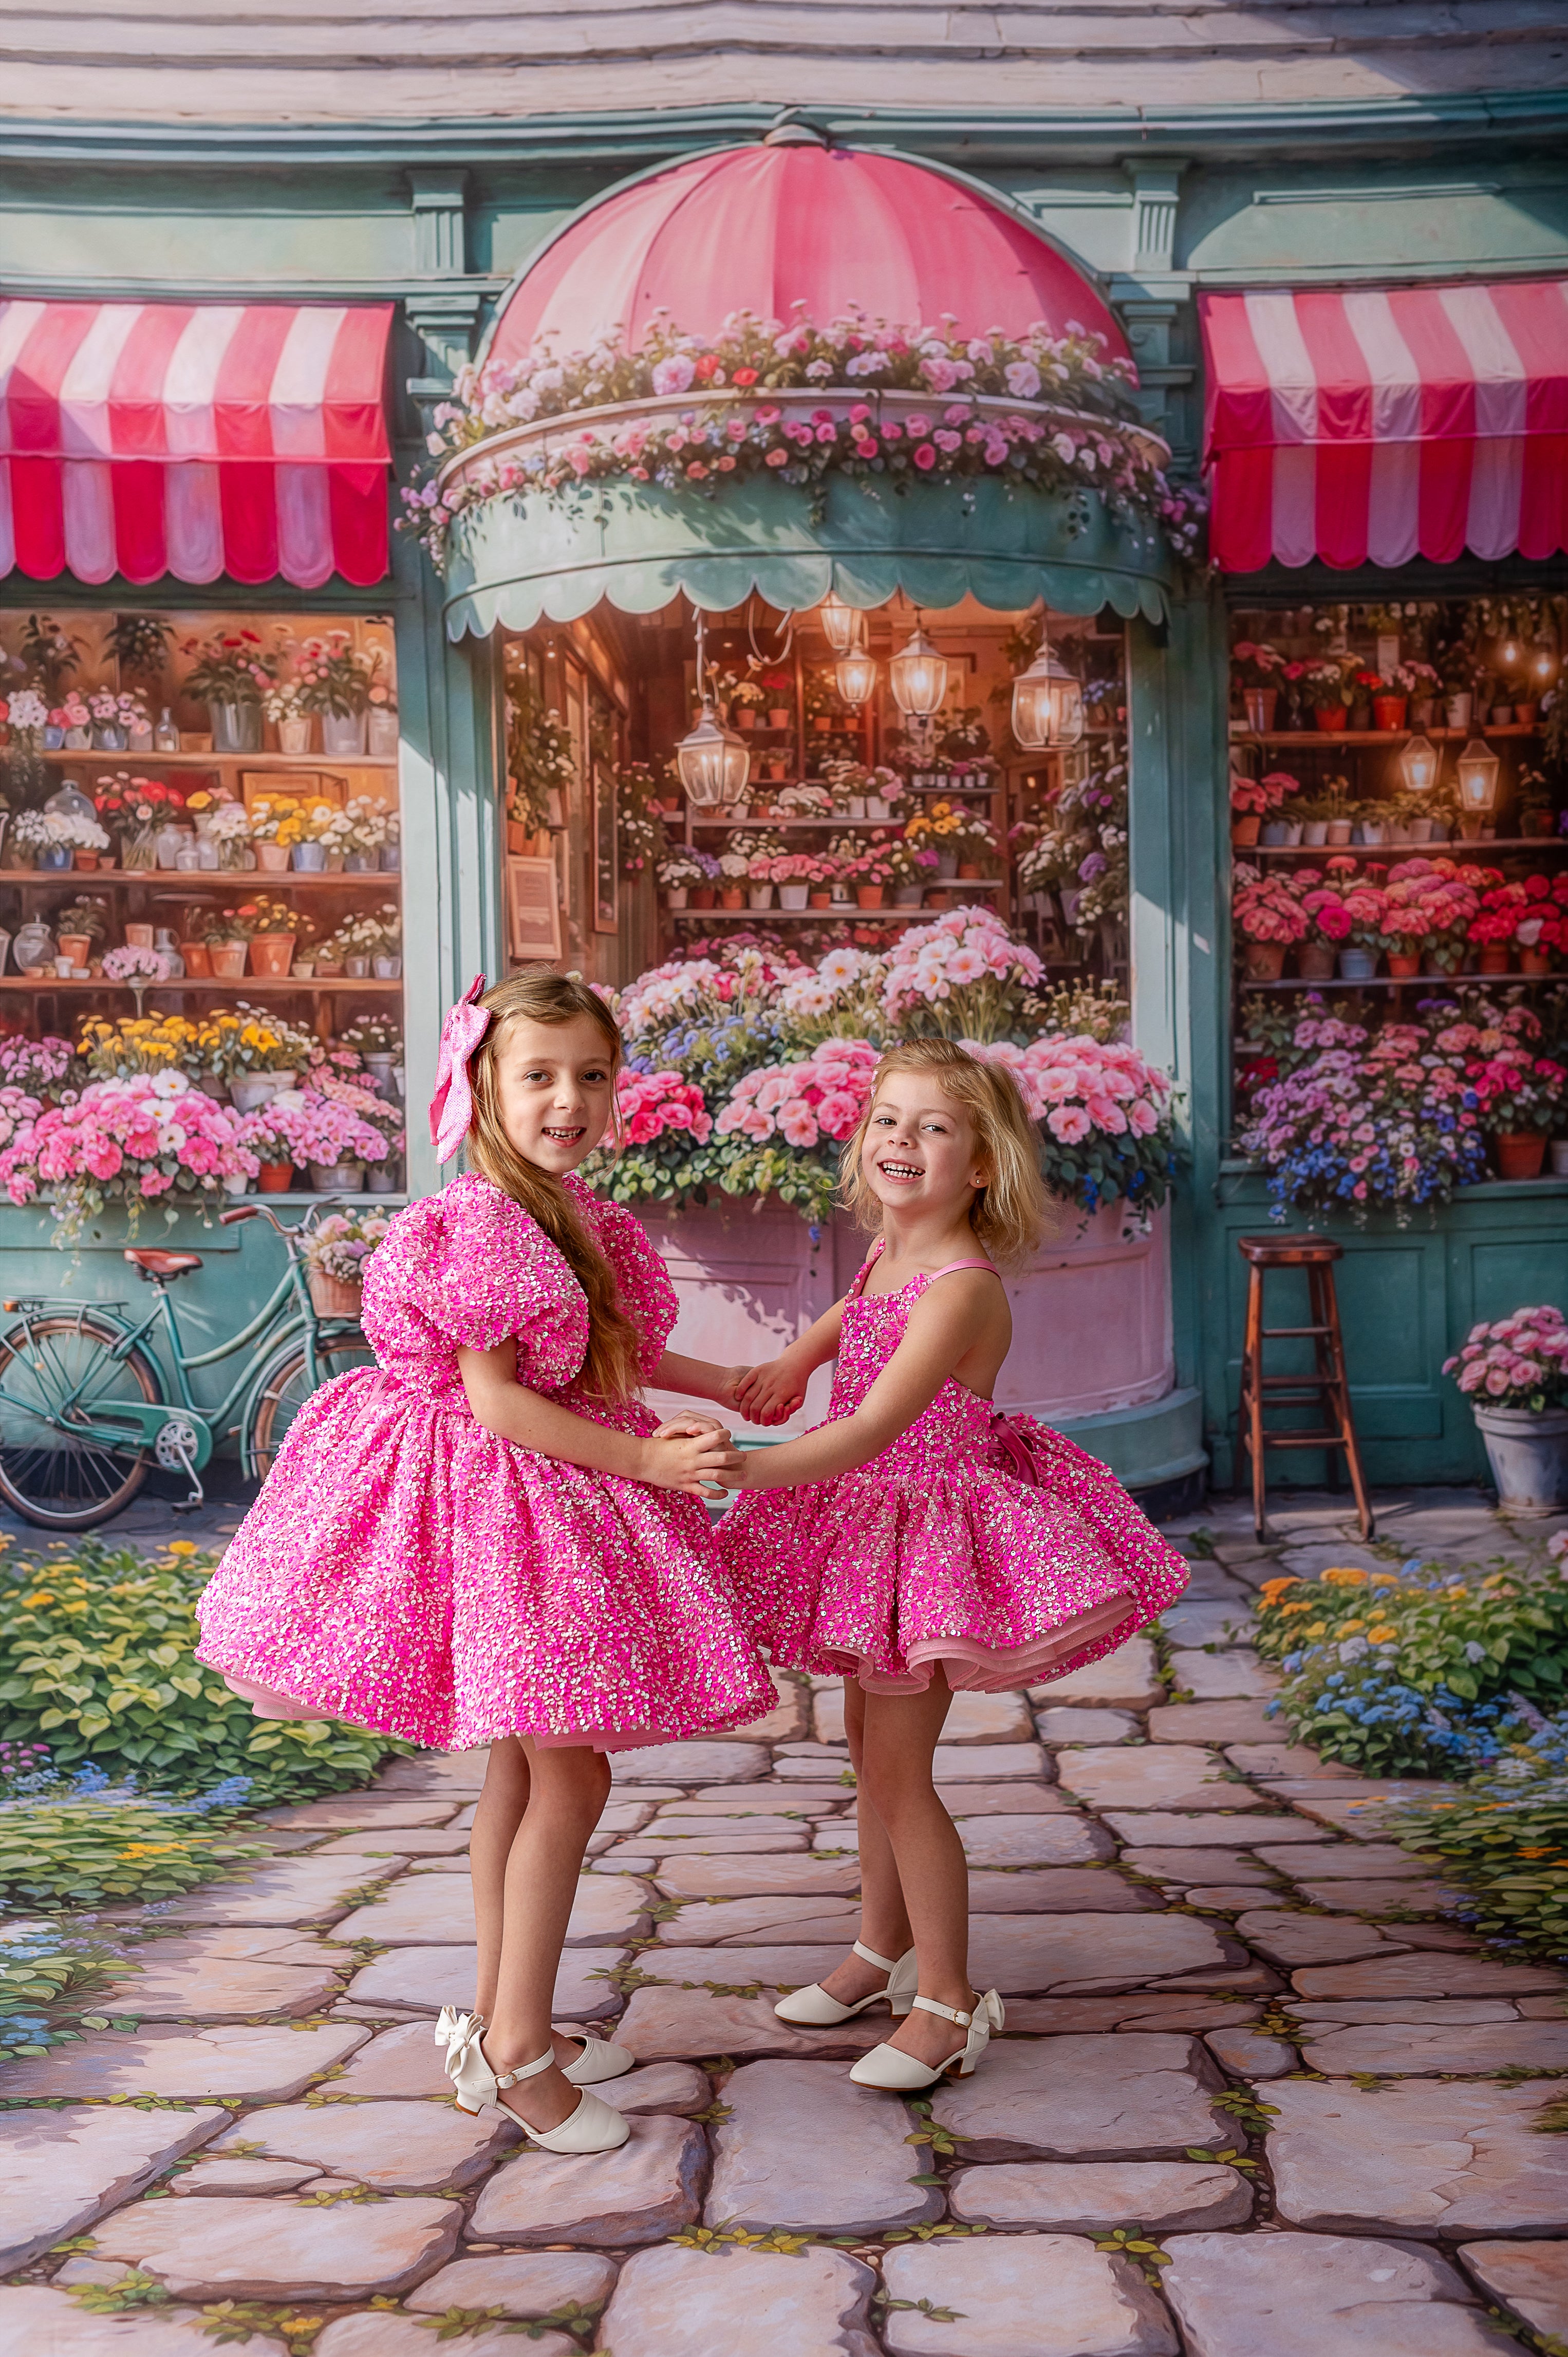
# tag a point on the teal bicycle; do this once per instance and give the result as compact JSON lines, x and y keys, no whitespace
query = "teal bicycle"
{"x":86,"y":1408}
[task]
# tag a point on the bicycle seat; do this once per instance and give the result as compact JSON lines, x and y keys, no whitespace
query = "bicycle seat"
{"x":155,"y":1264}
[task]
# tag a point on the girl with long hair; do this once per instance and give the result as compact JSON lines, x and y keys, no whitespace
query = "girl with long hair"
{"x":487,"y":1538}
{"x":917,"y":1542}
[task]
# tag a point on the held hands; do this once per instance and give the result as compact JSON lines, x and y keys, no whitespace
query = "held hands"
{"x":769,"y":1394}
{"x":692,"y":1452}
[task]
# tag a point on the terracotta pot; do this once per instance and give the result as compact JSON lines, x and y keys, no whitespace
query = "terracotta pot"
{"x":1530,"y":961}
{"x":1316,"y":962}
{"x":518,"y":838}
{"x":1330,"y":718}
{"x":1264,"y":960}
{"x":331,"y":1298}
{"x":1495,"y":958}
{"x":86,"y":860}
{"x":822,"y":722}
{"x":702,"y":895}
{"x":274,"y":1178}
{"x":1403,"y":964}
{"x":819,"y":901}
{"x":228,"y":959}
{"x":1521,"y":1154}
{"x":272,"y":858}
{"x":869,"y":895}
{"x":1260,"y":704}
{"x":272,"y":954}
{"x":138,"y":937}
{"x":967,"y":871}
{"x":1245,"y":830}
{"x":733,"y":896}
{"x":76,"y":947}
{"x":1389,"y":711}
{"x":1524,"y":714}
{"x":198,"y":960}
{"x":778,"y":715}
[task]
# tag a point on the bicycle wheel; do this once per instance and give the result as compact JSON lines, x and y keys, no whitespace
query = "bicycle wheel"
{"x":288,"y":1386}
{"x":53,"y":1476}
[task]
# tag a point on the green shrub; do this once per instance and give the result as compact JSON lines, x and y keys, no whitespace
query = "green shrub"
{"x":1415,"y":1674}
{"x":79,"y":1852}
{"x":1506,"y":1841}
{"x":97,"y":1659}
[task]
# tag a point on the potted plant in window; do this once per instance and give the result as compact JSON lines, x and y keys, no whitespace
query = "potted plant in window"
{"x":283,"y":704}
{"x":870,"y":873}
{"x":912,"y":871}
{"x":1324,"y":684}
{"x":1519,"y":1097}
{"x":1278,"y":828}
{"x":1259,"y":666}
{"x":334,"y":679}
{"x":1270,"y":918}
{"x":80,"y":927}
{"x":229,"y":672}
{"x":678,"y":871}
{"x":228,"y":943}
{"x":1250,"y":800}
{"x":1515,"y":1374}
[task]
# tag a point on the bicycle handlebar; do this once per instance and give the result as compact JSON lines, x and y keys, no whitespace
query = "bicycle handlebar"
{"x":227,"y":1218}
{"x":265,"y":1212}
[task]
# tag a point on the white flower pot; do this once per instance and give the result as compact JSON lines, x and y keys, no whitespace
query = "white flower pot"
{"x":1315,"y":830}
{"x":343,"y":733}
{"x":1456,"y":709}
{"x":358,"y":969}
{"x":793,"y":896}
{"x":759,"y":896}
{"x":857,"y":806}
{"x":253,"y":1089}
{"x":293,"y":736}
{"x":676,"y":895}
{"x":381,"y":734}
{"x":1529,"y":1458}
{"x":387,"y":969}
{"x":876,"y":806}
{"x":338,"y":1178}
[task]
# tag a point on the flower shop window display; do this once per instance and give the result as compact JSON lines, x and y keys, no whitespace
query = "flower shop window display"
{"x":150,"y":1138}
{"x":1256,"y":803}
{"x":329,"y":1126}
{"x":1521,"y":926}
{"x":1514,"y":1371}
{"x":230,"y":672}
{"x":341,"y":684}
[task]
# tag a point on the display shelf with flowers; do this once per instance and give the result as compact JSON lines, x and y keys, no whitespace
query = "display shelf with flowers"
{"x":336,"y":1252}
{"x":152,"y":1138}
{"x":121,"y":720}
{"x":1252,"y":800}
{"x":1257,"y":667}
{"x":230,"y":672}
{"x":682,"y":870}
{"x":1521,"y":924}
{"x":1514,"y":1371}
{"x":869,"y":874}
{"x":335,"y":679}
{"x":797,"y":401}
{"x":1268,"y":915}
{"x":1518,"y":1094}
{"x":329,"y":1126}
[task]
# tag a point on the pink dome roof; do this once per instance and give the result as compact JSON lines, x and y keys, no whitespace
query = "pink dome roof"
{"x":763,"y":227}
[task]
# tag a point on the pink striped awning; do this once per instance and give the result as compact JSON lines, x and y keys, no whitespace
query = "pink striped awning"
{"x":194,"y":439}
{"x":1369,"y":425}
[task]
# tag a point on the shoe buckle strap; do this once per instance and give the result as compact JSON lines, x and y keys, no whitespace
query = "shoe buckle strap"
{"x":870,"y":1956}
{"x":948,"y":2012}
{"x":525,"y":2070}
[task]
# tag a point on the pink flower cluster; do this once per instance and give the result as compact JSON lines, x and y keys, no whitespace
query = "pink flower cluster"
{"x":136,"y":1138}
{"x":802,"y":1104}
{"x":650,"y":1103}
{"x":969,"y":951}
{"x":1520,"y":1361}
{"x":328,"y":1124}
{"x":1266,"y":907}
{"x":1077,"y":1086}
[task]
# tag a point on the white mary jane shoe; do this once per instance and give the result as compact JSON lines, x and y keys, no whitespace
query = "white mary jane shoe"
{"x":594,"y":2126}
{"x":818,"y":2010}
{"x":597,"y":2061}
{"x":906,"y":2074}
{"x":452,"y":2032}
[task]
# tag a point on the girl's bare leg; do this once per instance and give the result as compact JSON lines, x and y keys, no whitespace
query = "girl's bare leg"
{"x":502,"y":1804}
{"x":568,"y":1788}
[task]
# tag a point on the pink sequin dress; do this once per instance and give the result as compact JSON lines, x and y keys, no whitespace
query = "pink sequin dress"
{"x":938,"y":1550}
{"x":406,"y":1570}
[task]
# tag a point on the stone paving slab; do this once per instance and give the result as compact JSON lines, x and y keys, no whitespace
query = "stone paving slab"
{"x":1128,"y":1679}
{"x":1288,"y":2295}
{"x":381,"y":2335}
{"x":226,"y":1976}
{"x":609,"y":1909}
{"x":1065,"y":1723}
{"x":816,"y":2304}
{"x":187,"y":2066}
{"x":1422,"y":2049}
{"x":1414,"y":1897}
{"x":396,"y":2147}
{"x":1345,"y":1861}
{"x":227,"y":2177}
{"x":37,"y":2322}
{"x":719,"y":1762}
{"x":1057,"y":1890}
{"x":972,"y":1718}
{"x":413,"y":1843}
{"x":1287,"y":1938}
{"x":1242,"y":1720}
{"x":1012,"y":1799}
{"x":1154,"y":1776}
{"x":376,"y":1810}
{"x":1217,"y":1677}
{"x":60,"y":2170}
{"x":668,"y":2024}
{"x":1427,"y":1975}
{"x":642,"y":2192}
{"x":774,"y":2165}
{"x":1096,"y":2197}
{"x":1096,"y":2305}
{"x":280,"y":2251}
{"x":722,"y":1878}
{"x":1417,"y":2158}
{"x":302,"y":1890}
{"x":1165,"y":1829}
{"x":1135,"y":2095}
{"x":429,"y":1978}
{"x":1530,"y":2279}
{"x":1180,"y":1865}
{"x":520,"y":2283}
{"x":784,"y":1917}
{"x":1191,"y":1624}
{"x":1280,"y":1761}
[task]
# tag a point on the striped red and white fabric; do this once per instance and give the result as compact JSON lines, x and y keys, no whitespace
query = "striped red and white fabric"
{"x":1371,"y":425}
{"x":199,"y":440}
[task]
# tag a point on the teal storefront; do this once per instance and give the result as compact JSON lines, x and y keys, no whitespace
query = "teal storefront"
{"x":1153,"y":209}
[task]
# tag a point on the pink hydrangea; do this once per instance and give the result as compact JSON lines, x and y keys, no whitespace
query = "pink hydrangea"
{"x":650,"y":1103}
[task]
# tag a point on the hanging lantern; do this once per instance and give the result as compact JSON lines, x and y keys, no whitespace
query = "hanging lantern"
{"x":842,"y":624}
{"x":1477,"y":769}
{"x":856,"y":674}
{"x":713,"y":762}
{"x":918,"y":674}
{"x":1418,"y":764}
{"x":1047,"y":705}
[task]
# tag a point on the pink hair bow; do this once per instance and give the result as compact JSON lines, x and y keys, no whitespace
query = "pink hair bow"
{"x":452,"y":1106}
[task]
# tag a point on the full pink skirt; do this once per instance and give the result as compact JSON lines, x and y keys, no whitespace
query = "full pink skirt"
{"x":883,"y":1572}
{"x":405,"y":1570}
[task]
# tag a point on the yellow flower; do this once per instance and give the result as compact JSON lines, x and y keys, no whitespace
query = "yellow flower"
{"x":1344,"y":1576}
{"x":1273,"y":1590}
{"x":1382,"y":1633}
{"x":1350,"y":1627}
{"x":1382,"y":1579}
{"x":40,"y":1596}
{"x":182,"y":1546}
{"x":1316,"y":1628}
{"x":1455,"y":1595}
{"x":1303,"y":1604}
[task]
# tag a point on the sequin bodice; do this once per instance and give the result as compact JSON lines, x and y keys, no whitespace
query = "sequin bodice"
{"x":957,"y":1424}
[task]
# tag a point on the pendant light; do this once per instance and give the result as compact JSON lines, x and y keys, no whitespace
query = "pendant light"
{"x":1418,"y":764}
{"x":855,"y":676}
{"x":1047,"y":705}
{"x":1478,"y":769}
{"x":841,"y":623}
{"x":713,"y":762}
{"x":918,"y":674}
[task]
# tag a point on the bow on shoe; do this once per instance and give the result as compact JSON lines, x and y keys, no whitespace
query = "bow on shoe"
{"x":452,"y":1106}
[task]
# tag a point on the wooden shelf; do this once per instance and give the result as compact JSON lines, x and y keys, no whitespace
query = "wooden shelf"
{"x":181,"y":880}
{"x":795,"y":916}
{"x":782,"y":826}
{"x":1445,"y":850}
{"x":244,"y":987}
{"x":1400,"y":982}
{"x":282,"y":762}
{"x":964,"y":884}
{"x":1380,"y":736}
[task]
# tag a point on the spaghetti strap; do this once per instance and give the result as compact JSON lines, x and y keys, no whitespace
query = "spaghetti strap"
{"x":962,"y":1263}
{"x":866,"y":1265}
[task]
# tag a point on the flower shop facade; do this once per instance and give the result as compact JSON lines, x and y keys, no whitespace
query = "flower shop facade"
{"x":543,"y":679}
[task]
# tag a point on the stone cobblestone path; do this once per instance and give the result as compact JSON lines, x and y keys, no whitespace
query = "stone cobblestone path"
{"x":1256,"y":2097}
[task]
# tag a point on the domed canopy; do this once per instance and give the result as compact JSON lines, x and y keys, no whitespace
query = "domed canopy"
{"x":762,"y":227}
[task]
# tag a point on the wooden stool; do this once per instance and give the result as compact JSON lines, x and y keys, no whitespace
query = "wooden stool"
{"x":1330,"y":1387}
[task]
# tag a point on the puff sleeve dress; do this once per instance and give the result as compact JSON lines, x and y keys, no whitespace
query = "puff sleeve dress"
{"x":406,"y":1570}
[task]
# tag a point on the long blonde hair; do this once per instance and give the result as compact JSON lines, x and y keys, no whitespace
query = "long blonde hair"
{"x":610,"y":1370}
{"x":1009,"y":1211}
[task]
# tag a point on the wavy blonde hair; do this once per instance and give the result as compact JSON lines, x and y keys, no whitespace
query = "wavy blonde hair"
{"x":1011,"y":1210}
{"x":611,"y":1370}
